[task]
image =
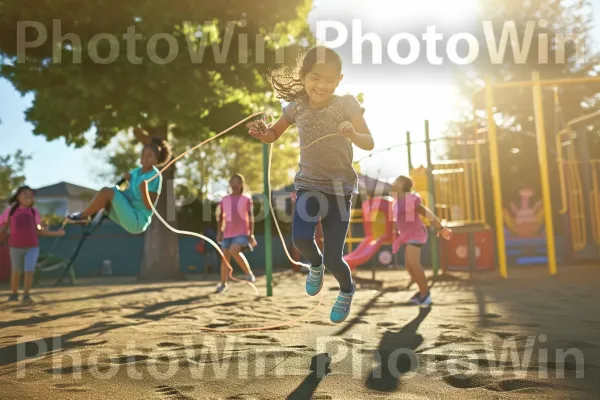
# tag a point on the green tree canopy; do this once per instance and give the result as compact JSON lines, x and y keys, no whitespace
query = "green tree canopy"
{"x":11,"y":173}
{"x":186,"y":69}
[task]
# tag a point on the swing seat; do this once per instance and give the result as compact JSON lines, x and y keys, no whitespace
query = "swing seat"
{"x":47,"y":263}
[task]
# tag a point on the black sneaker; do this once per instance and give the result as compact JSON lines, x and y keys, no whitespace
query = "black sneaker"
{"x":13,"y":297}
{"x":27,"y":299}
{"x":77,"y":218}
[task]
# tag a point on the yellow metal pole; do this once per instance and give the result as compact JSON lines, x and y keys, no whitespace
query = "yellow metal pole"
{"x":543,"y":159}
{"x":479,"y":181}
{"x":497,"y":189}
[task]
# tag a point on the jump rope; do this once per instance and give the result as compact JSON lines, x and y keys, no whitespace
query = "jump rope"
{"x":267,"y":116}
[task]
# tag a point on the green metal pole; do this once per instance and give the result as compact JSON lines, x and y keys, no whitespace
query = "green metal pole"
{"x":435,"y":261}
{"x":267,"y":222}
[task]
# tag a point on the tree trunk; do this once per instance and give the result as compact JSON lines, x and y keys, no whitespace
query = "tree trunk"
{"x":160,"y":260}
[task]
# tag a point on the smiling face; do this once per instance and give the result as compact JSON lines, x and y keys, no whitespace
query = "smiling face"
{"x":148,"y":158}
{"x":321,"y":81}
{"x":26,"y":198}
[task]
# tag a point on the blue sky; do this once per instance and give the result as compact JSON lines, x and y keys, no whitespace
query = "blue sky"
{"x":55,"y":161}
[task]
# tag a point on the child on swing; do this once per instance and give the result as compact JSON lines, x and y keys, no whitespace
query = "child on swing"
{"x":130,"y":208}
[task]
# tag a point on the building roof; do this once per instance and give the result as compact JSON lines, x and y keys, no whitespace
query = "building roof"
{"x":65,"y":189}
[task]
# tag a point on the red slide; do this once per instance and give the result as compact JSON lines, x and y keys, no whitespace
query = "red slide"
{"x":364,"y":252}
{"x":378,"y":229}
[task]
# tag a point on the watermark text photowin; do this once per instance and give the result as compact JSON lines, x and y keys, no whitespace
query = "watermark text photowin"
{"x":367,"y":48}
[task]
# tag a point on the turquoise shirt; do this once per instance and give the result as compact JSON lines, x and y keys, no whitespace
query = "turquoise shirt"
{"x":134,"y":194}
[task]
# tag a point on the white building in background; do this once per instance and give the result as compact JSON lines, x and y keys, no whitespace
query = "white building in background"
{"x":62,"y":198}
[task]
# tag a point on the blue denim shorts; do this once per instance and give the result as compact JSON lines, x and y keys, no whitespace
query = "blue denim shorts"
{"x":241,"y":240}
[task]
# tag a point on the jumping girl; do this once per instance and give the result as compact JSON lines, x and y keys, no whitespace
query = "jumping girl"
{"x":22,"y":224}
{"x":235,"y":227}
{"x":328,"y":126}
{"x":130,"y":208}
{"x":413,"y":233}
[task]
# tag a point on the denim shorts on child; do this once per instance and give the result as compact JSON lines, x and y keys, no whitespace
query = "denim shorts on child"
{"x":242,"y":240}
{"x":23,"y":259}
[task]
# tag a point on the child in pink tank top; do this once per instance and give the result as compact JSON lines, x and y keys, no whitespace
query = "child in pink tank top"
{"x":412,"y":233}
{"x":235,"y":230}
{"x":21,"y":223}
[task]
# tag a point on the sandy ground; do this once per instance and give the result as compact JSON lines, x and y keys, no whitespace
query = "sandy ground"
{"x":484,"y":338}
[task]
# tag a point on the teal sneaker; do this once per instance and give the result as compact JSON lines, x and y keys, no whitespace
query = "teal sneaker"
{"x":341,"y":308}
{"x":314,"y":280}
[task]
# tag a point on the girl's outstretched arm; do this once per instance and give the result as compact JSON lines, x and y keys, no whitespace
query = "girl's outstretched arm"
{"x":446,"y":233}
{"x":265,"y":134}
{"x":44,"y":232}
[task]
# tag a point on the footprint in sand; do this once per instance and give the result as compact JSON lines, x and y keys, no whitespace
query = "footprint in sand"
{"x":298,"y":346}
{"x":128,"y":359}
{"x":168,"y":344}
{"x":509,"y":385}
{"x":452,"y":326}
{"x":262,"y":337}
{"x":462,"y":381}
{"x":506,"y":335}
{"x":319,"y":322}
{"x":353,"y":341}
{"x":171,"y":393}
{"x":71,"y":387}
{"x":386,"y":324}
{"x":491,"y":315}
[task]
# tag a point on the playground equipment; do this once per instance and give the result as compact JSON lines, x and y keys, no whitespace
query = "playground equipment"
{"x":536,"y":84}
{"x":87,"y":230}
{"x":453,"y":189}
{"x":524,"y":232}
{"x":378,"y":225}
{"x":580,"y":188}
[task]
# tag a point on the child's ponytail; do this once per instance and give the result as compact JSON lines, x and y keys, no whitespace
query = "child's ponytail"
{"x":162,"y":149}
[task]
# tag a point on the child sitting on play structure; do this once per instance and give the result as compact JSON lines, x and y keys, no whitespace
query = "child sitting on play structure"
{"x":22,"y":224}
{"x":328,"y":127}
{"x":130,"y":208}
{"x":235,"y":227}
{"x":413,"y":233}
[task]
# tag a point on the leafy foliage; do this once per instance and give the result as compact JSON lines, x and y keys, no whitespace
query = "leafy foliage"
{"x":11,"y":172}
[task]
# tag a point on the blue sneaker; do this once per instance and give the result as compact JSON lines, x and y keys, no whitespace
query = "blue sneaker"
{"x":341,"y":308}
{"x":314,"y":280}
{"x":13,"y":297}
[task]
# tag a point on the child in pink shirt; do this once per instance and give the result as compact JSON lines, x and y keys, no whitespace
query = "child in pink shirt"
{"x":413,"y":233}
{"x":235,"y":229}
{"x":21,"y":223}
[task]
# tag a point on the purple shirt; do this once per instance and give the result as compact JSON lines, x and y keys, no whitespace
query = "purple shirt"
{"x":408,"y":220}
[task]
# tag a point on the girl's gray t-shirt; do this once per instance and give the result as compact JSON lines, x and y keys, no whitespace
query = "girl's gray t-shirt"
{"x":326,"y":165}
